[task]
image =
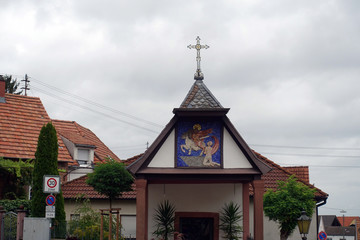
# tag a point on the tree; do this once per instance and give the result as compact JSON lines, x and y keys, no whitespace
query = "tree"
{"x":17,"y":175}
{"x":286,"y":203}
{"x":11,"y":85}
{"x":46,"y":163}
{"x":111,"y":179}
{"x":230,"y":221}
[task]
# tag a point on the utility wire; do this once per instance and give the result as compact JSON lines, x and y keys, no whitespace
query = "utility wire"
{"x":92,"y":110}
{"x":301,"y":147}
{"x":320,"y":166}
{"x":310,"y":155}
{"x":95,"y":103}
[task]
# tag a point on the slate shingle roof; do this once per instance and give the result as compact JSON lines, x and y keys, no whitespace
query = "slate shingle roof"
{"x":21,"y":119}
{"x":200,"y":96}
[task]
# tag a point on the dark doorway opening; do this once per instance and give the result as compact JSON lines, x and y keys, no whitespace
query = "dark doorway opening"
{"x":197,"y":225}
{"x":197,"y":228}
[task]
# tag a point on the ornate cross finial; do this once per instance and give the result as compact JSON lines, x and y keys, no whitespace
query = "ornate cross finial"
{"x":198,"y":74}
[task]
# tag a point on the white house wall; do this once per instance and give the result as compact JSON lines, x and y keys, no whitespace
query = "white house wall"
{"x":128,"y":207}
{"x":272,"y":231}
{"x":192,"y":198}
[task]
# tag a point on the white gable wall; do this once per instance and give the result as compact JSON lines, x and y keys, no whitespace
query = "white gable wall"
{"x":192,"y":198}
{"x":166,"y":154}
{"x":232,"y":154}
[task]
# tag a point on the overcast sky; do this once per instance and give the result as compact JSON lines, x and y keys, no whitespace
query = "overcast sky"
{"x":289,"y":71}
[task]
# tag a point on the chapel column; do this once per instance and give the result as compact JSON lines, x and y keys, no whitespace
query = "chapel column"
{"x":246,"y":206}
{"x":258,"y":186}
{"x":141,"y":209}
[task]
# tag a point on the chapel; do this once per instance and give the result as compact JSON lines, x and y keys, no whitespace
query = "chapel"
{"x":199,"y":163}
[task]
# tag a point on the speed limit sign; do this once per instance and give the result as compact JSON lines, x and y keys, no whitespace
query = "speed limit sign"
{"x":51,"y":184}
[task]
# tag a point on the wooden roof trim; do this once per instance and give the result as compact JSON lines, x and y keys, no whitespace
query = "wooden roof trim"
{"x":202,"y":112}
{"x":153,"y":149}
{"x":263,"y":167}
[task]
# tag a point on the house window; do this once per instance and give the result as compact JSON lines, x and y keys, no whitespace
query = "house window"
{"x":128,"y":226}
{"x":83,"y":156}
{"x":75,"y":217}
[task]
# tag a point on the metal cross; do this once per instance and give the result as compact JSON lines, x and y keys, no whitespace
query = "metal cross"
{"x":198,"y":74}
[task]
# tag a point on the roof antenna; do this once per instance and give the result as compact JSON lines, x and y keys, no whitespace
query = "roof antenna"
{"x":198,"y":74}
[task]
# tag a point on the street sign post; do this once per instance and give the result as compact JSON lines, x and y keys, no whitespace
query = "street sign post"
{"x":51,"y":184}
{"x":322,"y":235}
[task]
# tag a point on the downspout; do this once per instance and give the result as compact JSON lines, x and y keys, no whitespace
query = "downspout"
{"x":317,"y":214}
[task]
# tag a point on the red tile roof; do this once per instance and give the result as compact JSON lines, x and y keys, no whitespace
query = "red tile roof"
{"x":21,"y":119}
{"x":78,"y":186}
{"x":348,"y":221}
{"x":271,"y":179}
{"x":282,"y":174}
{"x":81,"y":135}
{"x":301,"y":172}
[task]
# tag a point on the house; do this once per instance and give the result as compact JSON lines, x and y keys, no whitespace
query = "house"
{"x":199,"y":162}
{"x":338,"y":228}
{"x":83,"y":146}
{"x":21,"y":119}
{"x":77,"y":188}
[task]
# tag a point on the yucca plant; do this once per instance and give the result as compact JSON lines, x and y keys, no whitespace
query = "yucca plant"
{"x":230,"y":221}
{"x":164,"y":218}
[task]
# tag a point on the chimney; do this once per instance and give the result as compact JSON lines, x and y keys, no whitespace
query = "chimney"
{"x":2,"y":89}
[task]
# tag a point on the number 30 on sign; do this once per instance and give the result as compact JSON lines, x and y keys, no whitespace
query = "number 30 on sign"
{"x":51,"y":184}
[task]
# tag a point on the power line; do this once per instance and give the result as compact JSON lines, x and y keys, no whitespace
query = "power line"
{"x":96,"y":104}
{"x":301,"y":147}
{"x":310,"y":155}
{"x":92,"y":110}
{"x":319,"y":166}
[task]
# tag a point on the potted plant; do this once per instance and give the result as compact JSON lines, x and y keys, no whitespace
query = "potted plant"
{"x":164,"y":218}
{"x":230,"y":221}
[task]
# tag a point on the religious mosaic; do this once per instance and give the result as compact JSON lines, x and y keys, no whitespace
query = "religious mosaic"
{"x":198,"y":144}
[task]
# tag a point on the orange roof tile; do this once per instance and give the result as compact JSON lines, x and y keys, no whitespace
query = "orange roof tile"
{"x":301,"y":172}
{"x":347,"y":221}
{"x":78,"y":186}
{"x":21,"y":119}
{"x":81,"y":135}
{"x":282,"y":174}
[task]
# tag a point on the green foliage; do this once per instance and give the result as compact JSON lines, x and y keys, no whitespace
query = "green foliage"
{"x":230,"y":218}
{"x":164,"y":218}
{"x":286,"y":203}
{"x":111,"y":179}
{"x":87,"y":225}
{"x":13,"y":205}
{"x":46,"y":164}
{"x":11,"y":85}
{"x":17,"y":174}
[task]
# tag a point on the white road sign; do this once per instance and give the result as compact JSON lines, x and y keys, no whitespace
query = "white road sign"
{"x":50,"y":212}
{"x":51,"y":184}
